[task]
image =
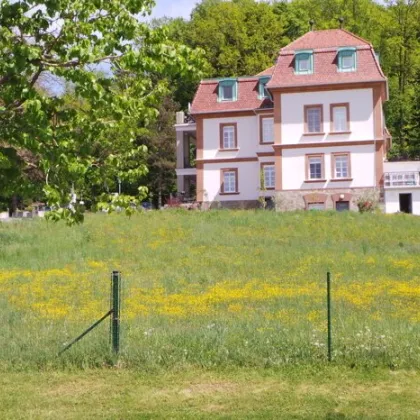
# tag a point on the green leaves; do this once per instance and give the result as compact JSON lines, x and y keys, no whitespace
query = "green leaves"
{"x":84,"y":139}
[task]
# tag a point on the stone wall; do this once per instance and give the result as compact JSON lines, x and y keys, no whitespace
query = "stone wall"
{"x":299,"y":200}
{"x":234,"y":204}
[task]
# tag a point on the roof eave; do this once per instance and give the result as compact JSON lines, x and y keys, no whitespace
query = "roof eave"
{"x":276,"y":87}
{"x":192,"y":112}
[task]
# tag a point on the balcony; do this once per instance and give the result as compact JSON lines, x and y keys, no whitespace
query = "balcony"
{"x":401,"y":179}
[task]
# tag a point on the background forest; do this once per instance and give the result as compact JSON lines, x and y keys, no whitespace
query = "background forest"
{"x":243,"y":37}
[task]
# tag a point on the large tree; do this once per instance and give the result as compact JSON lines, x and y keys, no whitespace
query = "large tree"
{"x":91,"y":140}
{"x":159,"y":140}
{"x":241,"y":37}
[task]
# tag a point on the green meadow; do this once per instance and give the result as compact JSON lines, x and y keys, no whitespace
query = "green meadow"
{"x":218,"y":297}
{"x":215,"y":289}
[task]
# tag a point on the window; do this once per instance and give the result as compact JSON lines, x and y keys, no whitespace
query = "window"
{"x":340,"y":165}
{"x":340,"y":118}
{"x":342,"y":205}
{"x":229,"y":181}
{"x":313,"y":119}
{"x":267,"y":130}
{"x":228,"y":136}
{"x":347,"y":59}
{"x":268,"y":175}
{"x":315,"y":167}
{"x":262,"y":91}
{"x":228,"y":90}
{"x":304,"y":62}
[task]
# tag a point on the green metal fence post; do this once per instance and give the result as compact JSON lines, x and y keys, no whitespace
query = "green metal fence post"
{"x":329,"y":316}
{"x":115,"y":323}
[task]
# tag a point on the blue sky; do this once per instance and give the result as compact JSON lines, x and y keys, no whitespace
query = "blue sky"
{"x":173,"y":8}
{"x":180,"y":8}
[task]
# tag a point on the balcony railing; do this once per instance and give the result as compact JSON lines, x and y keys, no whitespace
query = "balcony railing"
{"x":401,"y":179}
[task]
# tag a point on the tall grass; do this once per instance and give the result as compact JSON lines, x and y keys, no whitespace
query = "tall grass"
{"x":214,"y":289}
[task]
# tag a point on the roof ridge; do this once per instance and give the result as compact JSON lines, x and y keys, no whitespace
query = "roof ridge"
{"x":290,"y":46}
{"x":297,"y":39}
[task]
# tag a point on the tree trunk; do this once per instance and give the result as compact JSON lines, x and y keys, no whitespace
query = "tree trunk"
{"x":13,"y":205}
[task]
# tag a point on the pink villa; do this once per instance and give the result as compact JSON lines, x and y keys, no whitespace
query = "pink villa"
{"x":307,"y":133}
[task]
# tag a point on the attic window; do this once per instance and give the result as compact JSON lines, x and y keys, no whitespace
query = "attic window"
{"x":347,"y":59}
{"x":262,"y":90}
{"x":304,"y":62}
{"x":228,"y":89}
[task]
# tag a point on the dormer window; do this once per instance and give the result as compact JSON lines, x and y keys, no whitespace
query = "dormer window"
{"x":228,"y":90}
{"x":262,"y":90}
{"x":304,"y":62}
{"x":347,"y":59}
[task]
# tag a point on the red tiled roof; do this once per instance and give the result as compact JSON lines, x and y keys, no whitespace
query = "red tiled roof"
{"x":267,"y":72}
{"x":324,"y":45}
{"x":205,"y":99}
{"x":325,"y":70}
{"x":329,"y":38}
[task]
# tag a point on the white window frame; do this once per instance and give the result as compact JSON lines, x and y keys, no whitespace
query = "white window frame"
{"x":229,"y":137}
{"x":229,"y":181}
{"x":337,"y":125}
{"x":321,"y":162}
{"x":267,"y":132}
{"x":341,"y":171}
{"x":311,"y":126}
{"x":269,"y":175}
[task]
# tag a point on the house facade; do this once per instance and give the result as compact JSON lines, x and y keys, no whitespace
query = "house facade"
{"x":307,"y":133}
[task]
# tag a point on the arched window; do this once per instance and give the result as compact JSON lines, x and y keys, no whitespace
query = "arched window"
{"x":262,"y":91}
{"x":304,"y":62}
{"x":228,"y":90}
{"x":347,"y":59}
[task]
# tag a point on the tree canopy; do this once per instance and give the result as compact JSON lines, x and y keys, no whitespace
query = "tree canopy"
{"x":90,"y":139}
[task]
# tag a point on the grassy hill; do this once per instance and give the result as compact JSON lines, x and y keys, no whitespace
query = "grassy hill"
{"x":215,"y":289}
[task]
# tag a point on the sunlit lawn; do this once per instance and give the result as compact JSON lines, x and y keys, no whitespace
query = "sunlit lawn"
{"x":212,"y":290}
{"x":291,"y":393}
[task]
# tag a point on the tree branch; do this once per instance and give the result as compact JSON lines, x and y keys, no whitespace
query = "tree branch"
{"x":78,"y":62}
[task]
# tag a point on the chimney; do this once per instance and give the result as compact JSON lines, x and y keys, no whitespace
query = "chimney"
{"x":180,"y":117}
{"x":311,"y":25}
{"x":341,"y":20}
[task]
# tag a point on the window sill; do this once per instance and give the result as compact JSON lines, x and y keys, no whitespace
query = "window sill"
{"x":313,"y":134}
{"x":229,"y":150}
{"x":314,"y":180}
{"x":341,"y":179}
{"x":263,"y":143}
{"x":269,"y":189}
{"x":332,"y":133}
{"x":229,"y":193}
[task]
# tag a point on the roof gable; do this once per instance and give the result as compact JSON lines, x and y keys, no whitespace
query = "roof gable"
{"x":329,"y":38}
